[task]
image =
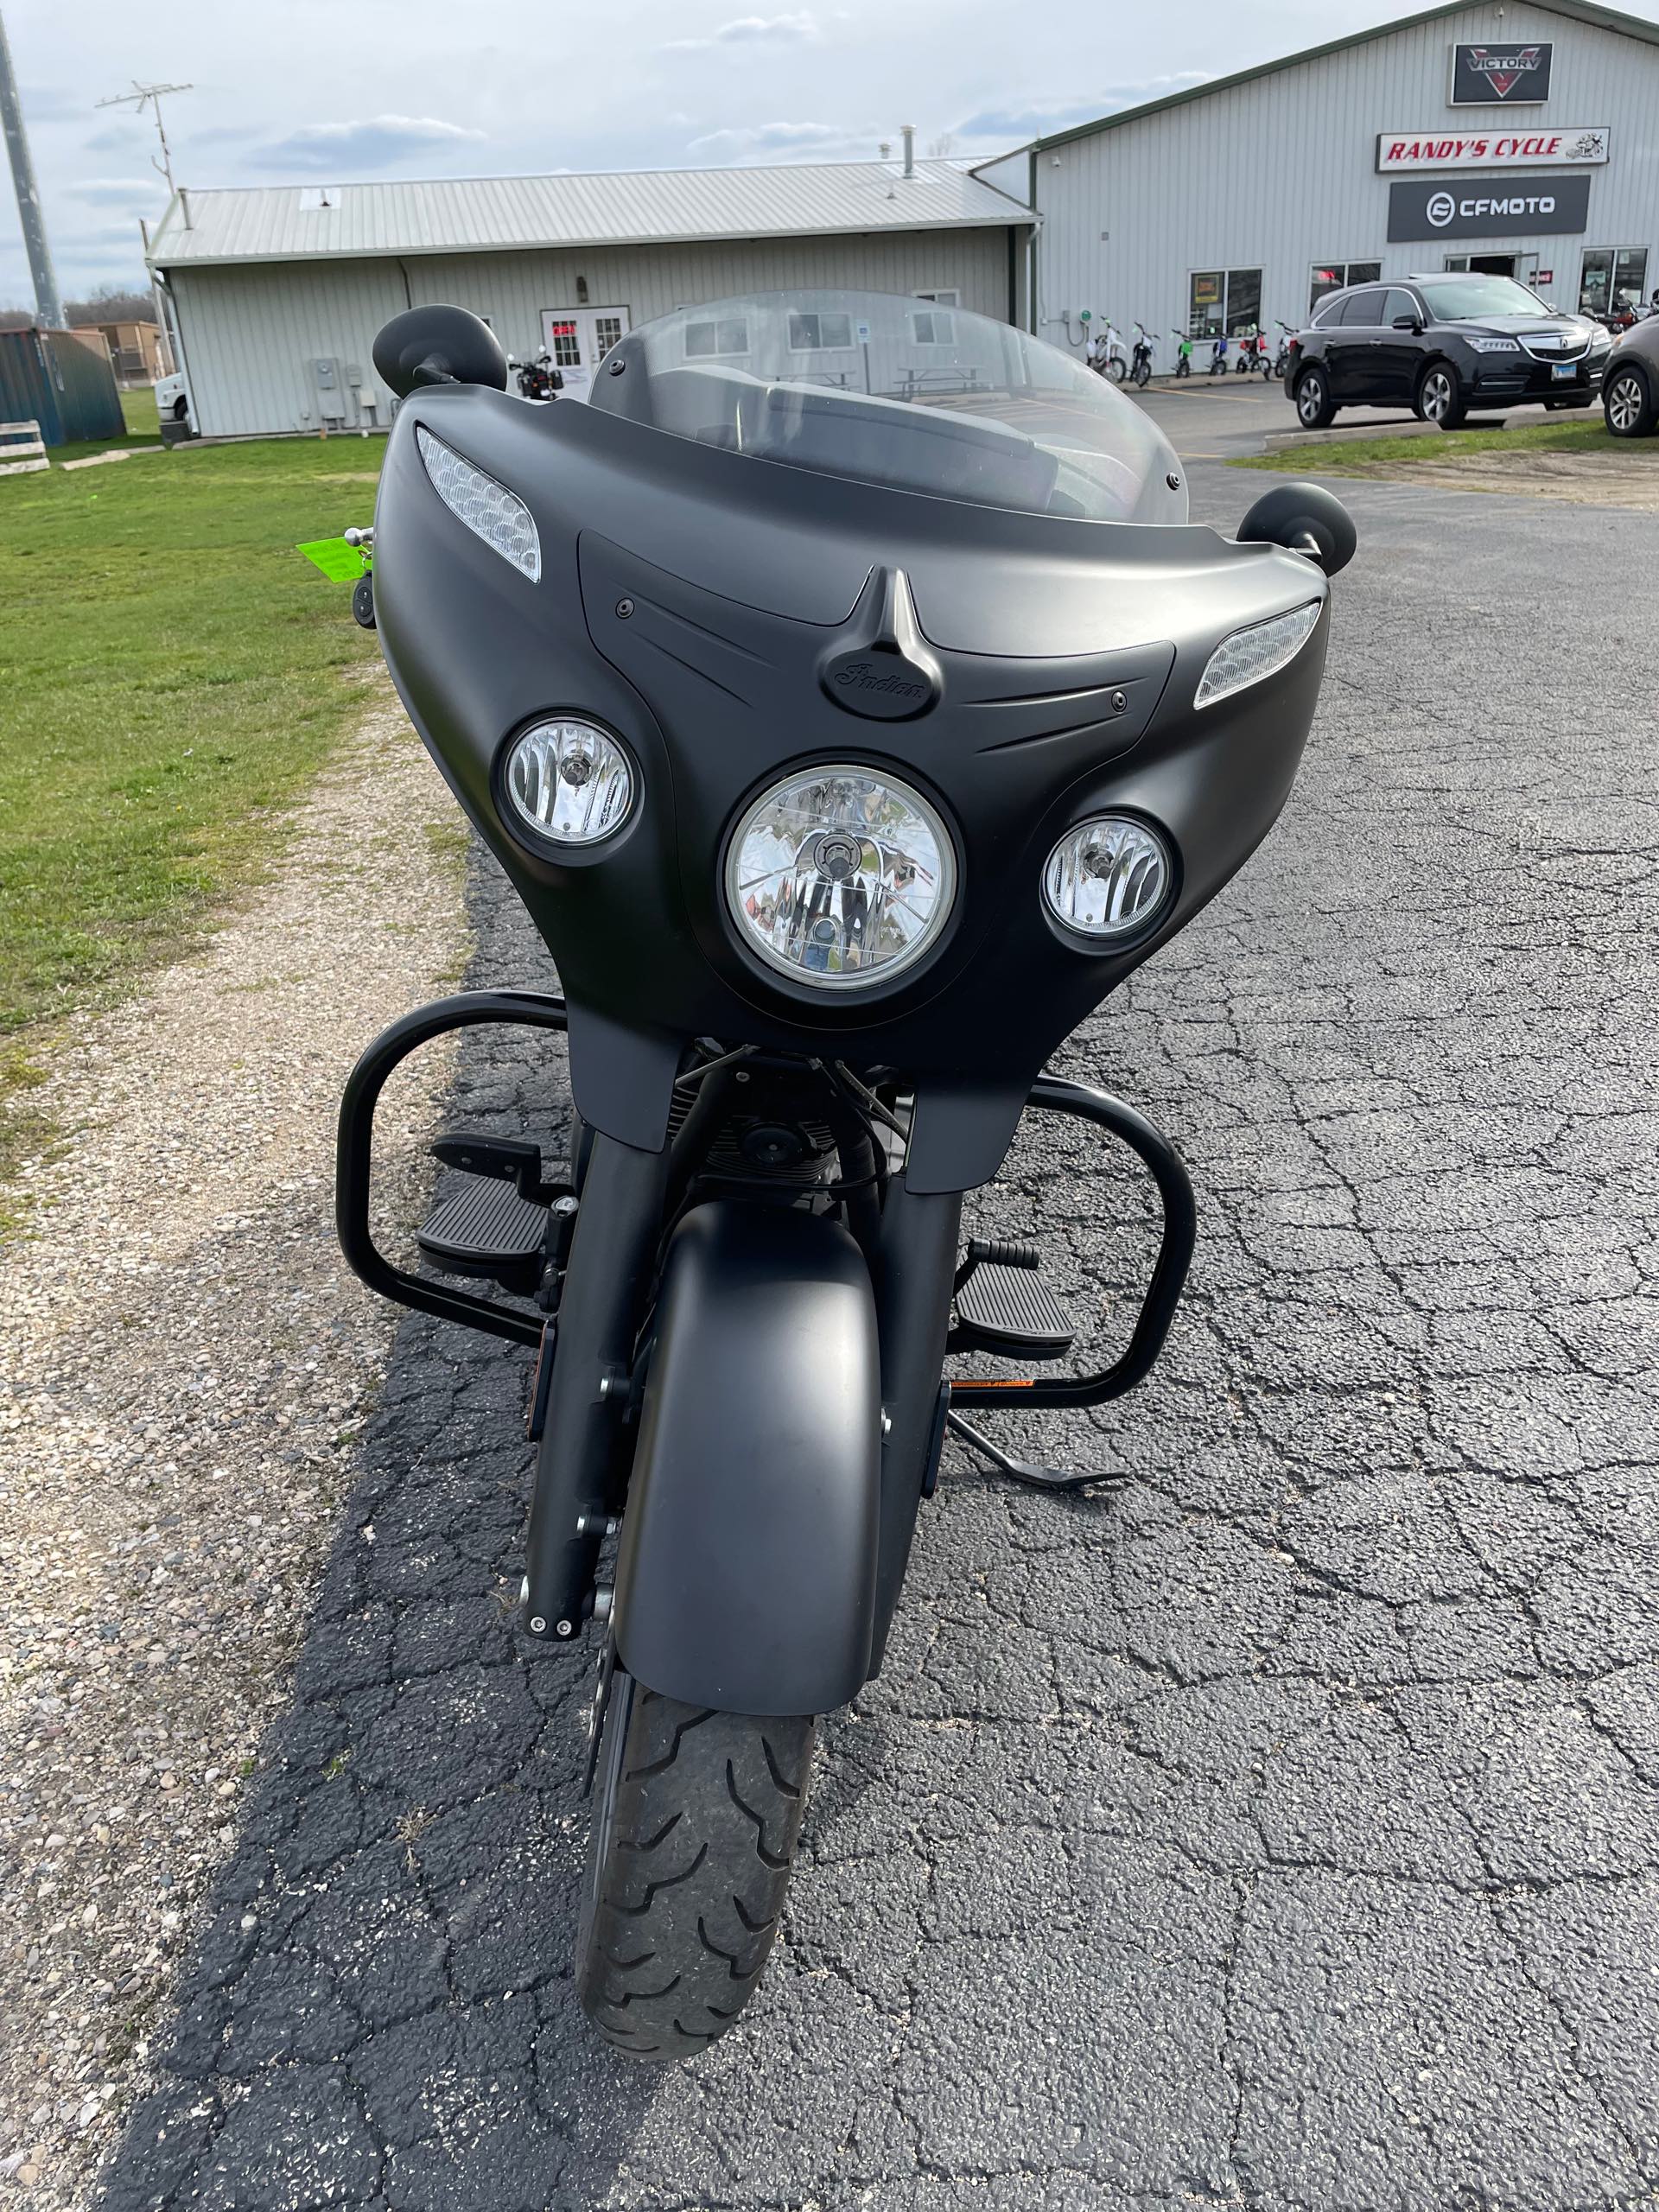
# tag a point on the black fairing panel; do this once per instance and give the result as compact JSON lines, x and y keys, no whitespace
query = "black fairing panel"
{"x":687,"y":600}
{"x":747,"y":1578}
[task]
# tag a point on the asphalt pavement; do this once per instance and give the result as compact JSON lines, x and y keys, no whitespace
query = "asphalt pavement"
{"x":1282,"y":1832}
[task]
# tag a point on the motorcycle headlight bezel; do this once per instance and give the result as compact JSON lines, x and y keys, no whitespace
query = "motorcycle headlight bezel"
{"x":1144,"y":843}
{"x":820,"y":985}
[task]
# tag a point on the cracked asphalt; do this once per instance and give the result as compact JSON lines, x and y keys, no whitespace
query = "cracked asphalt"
{"x":1280,"y":1834}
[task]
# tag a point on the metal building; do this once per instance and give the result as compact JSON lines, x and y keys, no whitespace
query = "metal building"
{"x":1521,"y":137}
{"x":275,"y":295}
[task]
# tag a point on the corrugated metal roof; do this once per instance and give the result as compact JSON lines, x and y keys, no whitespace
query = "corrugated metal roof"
{"x":505,"y":214}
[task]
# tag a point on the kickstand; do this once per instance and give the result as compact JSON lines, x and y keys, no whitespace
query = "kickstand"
{"x":1024,"y":1470}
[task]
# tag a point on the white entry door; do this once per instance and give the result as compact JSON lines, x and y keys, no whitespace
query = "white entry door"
{"x":579,"y":339}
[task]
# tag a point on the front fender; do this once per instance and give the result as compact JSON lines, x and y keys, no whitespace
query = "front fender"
{"x":746,"y":1578}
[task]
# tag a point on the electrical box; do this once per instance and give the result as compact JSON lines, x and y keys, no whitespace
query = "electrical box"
{"x":331,"y":400}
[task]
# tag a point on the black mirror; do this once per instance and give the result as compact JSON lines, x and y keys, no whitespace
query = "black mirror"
{"x":1407,"y":322}
{"x":438,"y":345}
{"x":1304,"y":518}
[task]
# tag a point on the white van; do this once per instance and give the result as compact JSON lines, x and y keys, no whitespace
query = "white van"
{"x":172,"y":405}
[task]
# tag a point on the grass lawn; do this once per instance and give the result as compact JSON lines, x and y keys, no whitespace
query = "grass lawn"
{"x":138,"y":406}
{"x":1588,"y":434}
{"x":171,"y":671}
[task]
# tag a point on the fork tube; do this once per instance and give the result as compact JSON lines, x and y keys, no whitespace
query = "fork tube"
{"x":917,"y":1263}
{"x":611,"y":1256}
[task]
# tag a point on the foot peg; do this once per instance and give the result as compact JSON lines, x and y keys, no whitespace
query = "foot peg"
{"x":1003,"y":1306}
{"x":503,"y":1220}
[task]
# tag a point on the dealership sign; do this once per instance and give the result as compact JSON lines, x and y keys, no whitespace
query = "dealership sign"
{"x":1487,"y":208}
{"x":1581,"y":146}
{"x":1490,"y":76}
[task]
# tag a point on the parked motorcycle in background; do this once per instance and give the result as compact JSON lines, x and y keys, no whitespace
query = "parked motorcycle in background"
{"x":539,"y":379}
{"x":1218,"y":355}
{"x":1140,"y":366}
{"x":848,"y":749}
{"x":1183,"y":352}
{"x":1281,"y":358}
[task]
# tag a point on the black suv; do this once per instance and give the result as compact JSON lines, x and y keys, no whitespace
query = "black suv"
{"x":1441,"y":346}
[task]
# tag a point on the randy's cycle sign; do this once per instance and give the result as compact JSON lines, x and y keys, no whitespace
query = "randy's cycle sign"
{"x":1487,"y":208}
{"x":1569,"y":146}
{"x":1510,"y":76}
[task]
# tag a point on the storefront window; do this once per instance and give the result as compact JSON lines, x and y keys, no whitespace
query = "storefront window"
{"x":1224,"y":299}
{"x":1610,"y":274}
{"x":1334,"y":275}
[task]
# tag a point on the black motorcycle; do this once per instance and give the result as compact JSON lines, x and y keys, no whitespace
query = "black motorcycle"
{"x":539,"y":379}
{"x":848,"y":750}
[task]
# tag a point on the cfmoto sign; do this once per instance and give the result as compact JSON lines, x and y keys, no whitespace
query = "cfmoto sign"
{"x":1484,"y":208}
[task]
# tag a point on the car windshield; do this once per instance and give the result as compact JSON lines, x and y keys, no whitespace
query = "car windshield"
{"x":915,"y":393}
{"x":1466,"y":299}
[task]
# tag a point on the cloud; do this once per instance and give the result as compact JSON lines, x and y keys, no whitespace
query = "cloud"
{"x":373,"y":144}
{"x":770,"y":138}
{"x":1013,"y":126}
{"x":799,"y":30}
{"x":49,"y":103}
{"x":116,"y":191}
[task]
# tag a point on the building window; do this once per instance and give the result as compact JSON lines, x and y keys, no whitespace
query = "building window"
{"x":1223,"y":300}
{"x":607,"y":329}
{"x":820,"y":333}
{"x":728,"y":334}
{"x":564,"y":345}
{"x":1335,"y":276}
{"x":932,"y":327}
{"x":942,"y":299}
{"x":1610,"y":274}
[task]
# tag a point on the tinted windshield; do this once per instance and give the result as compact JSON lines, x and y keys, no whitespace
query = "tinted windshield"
{"x":1464,"y":299}
{"x":909,"y":392}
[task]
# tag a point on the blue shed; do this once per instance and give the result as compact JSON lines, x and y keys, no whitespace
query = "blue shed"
{"x":49,"y":378}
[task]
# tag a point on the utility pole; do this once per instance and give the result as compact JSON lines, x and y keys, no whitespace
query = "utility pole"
{"x":149,"y":96}
{"x":47,"y":306}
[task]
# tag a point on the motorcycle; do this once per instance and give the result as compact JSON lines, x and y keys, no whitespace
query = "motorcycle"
{"x":1281,"y":358}
{"x":1183,"y":352}
{"x":1218,"y":355}
{"x":846,"y":749}
{"x":1140,"y":368}
{"x":539,"y":379}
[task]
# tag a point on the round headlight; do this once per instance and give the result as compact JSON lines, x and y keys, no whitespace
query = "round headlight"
{"x":839,"y":878}
{"x":570,"y":781}
{"x":1107,"y":878}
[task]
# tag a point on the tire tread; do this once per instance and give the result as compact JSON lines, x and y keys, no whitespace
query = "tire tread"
{"x":708,"y":1811}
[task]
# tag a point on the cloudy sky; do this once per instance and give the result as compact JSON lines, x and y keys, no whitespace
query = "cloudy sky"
{"x":338,"y":91}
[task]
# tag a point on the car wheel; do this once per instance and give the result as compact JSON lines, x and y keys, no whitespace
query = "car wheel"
{"x":181,"y":408}
{"x":1314,"y":410}
{"x":1439,"y":397}
{"x":1630,"y":405}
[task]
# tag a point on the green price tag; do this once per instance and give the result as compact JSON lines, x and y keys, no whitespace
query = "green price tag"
{"x":341,"y":562}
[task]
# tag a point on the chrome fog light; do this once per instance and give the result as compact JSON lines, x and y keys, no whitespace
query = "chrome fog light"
{"x":839,"y":878}
{"x":1261,"y":650}
{"x":570,"y":781}
{"x":488,"y":509}
{"x":1108,"y":877}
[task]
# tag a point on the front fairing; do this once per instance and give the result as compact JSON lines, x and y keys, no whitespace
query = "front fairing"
{"x":688,"y":599}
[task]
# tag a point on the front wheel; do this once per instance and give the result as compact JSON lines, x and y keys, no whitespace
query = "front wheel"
{"x":696,"y":1815}
{"x":1629,"y":404}
{"x":1441,"y":397}
{"x":1115,"y":370}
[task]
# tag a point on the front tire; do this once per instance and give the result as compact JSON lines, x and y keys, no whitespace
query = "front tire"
{"x":696,"y":1815}
{"x":1441,"y":397}
{"x":1314,"y":409}
{"x":1629,"y":404}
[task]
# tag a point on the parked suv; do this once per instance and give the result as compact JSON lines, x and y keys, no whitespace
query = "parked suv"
{"x":1442,"y":345}
{"x":1629,"y":393}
